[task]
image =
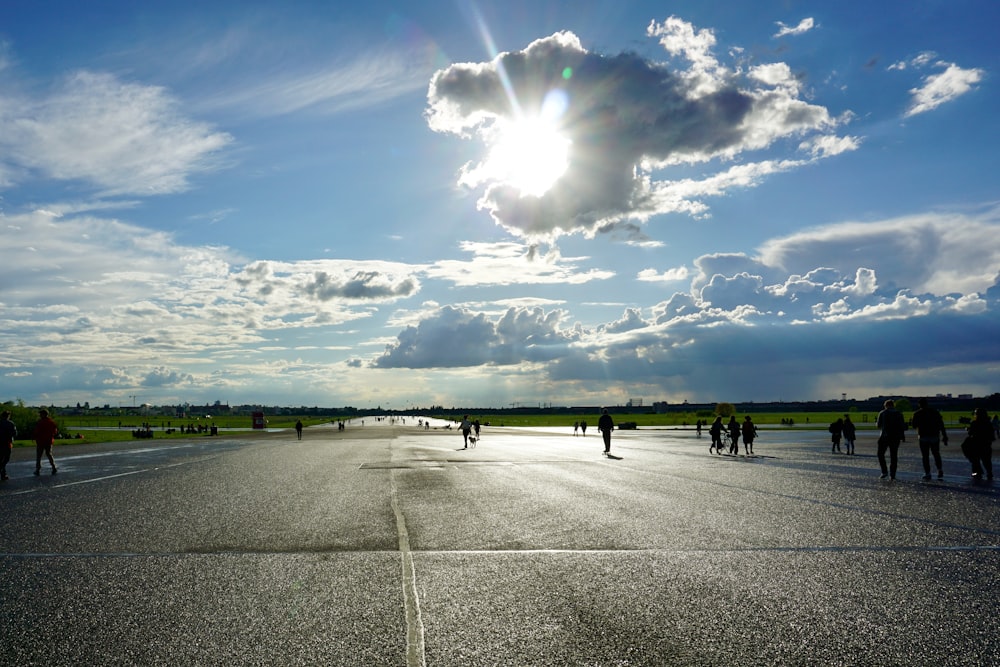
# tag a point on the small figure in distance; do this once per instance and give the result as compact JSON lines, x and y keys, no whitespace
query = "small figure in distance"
{"x":298,"y":429}
{"x":836,"y":431}
{"x":8,"y":431}
{"x":930,"y":425}
{"x":583,"y":429}
{"x":475,"y":427}
{"x":850,"y":434}
{"x":576,"y":428}
{"x":605,"y":425}
{"x":716,"y":432}
{"x":893,"y":432}
{"x":749,"y":435}
{"x":982,"y":435}
{"x":44,"y":436}
{"x":697,"y":427}
{"x":466,"y":430}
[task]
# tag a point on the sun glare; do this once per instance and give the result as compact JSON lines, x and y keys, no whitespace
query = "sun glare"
{"x":530,"y":154}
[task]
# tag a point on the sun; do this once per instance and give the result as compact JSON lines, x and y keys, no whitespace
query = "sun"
{"x":530,"y":154}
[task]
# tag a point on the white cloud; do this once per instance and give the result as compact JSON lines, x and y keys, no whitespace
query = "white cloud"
{"x":901,"y":249}
{"x":670,"y":275}
{"x":102,"y":294}
{"x":628,"y":120}
{"x":757,"y":326}
{"x":513,"y":264}
{"x":943,"y":87}
{"x":120,"y":138}
{"x":804,"y":26}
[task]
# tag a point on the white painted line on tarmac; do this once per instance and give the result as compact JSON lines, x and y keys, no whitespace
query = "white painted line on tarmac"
{"x":411,"y":601}
{"x":94,"y":479}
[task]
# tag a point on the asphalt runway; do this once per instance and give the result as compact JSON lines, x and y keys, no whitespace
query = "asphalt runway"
{"x":390,"y":545}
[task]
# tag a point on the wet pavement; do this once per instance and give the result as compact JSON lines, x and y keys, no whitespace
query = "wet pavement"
{"x":390,"y":545}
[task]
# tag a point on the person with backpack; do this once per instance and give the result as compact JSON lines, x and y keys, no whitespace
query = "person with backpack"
{"x":836,"y":431}
{"x":978,"y":447}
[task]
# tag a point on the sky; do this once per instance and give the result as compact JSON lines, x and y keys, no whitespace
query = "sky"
{"x":486,"y":204}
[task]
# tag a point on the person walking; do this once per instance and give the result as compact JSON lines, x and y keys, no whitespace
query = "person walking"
{"x":893,"y":432}
{"x":850,"y":434}
{"x":734,"y":435}
{"x":980,"y":449}
{"x":749,"y":434}
{"x":583,"y":429}
{"x":836,"y":432}
{"x":715,"y":430}
{"x":44,"y":436}
{"x":466,"y":430}
{"x":930,"y":425}
{"x":298,"y":429}
{"x":8,"y":431}
{"x":605,"y":425}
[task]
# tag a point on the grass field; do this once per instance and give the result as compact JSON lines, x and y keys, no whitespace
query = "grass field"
{"x":77,"y":428}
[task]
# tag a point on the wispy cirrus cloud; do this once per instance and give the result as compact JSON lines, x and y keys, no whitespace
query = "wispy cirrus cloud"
{"x":117,"y":137}
{"x":803,"y":26}
{"x":940,"y":88}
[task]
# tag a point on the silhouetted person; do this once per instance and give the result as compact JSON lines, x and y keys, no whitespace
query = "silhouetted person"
{"x":298,"y":429}
{"x":475,"y":427}
{"x":7,"y":434}
{"x":836,"y":432}
{"x":44,"y":436}
{"x":734,"y":435}
{"x":850,"y":434}
{"x":466,"y":430}
{"x":715,"y":430}
{"x":697,"y":427}
{"x":576,"y":428}
{"x":605,"y":425}
{"x":930,"y":426}
{"x":981,"y":435}
{"x":583,"y":428}
{"x":749,"y":434}
{"x":893,"y":432}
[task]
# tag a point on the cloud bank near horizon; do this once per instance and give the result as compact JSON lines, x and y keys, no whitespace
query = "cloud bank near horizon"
{"x":805,"y":306}
{"x":807,"y":302}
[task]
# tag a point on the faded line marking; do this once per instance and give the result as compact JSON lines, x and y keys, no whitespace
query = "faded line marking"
{"x":411,"y":601}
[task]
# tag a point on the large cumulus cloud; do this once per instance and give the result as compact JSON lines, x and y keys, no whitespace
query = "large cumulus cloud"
{"x":628,"y":119}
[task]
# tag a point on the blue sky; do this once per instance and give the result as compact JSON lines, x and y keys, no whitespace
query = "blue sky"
{"x":478,"y":204}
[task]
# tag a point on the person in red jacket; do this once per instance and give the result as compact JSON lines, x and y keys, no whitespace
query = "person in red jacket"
{"x":45,"y":434}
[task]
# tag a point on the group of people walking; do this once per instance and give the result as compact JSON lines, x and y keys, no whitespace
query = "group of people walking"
{"x":931,"y":433}
{"x":843,"y":429}
{"x":732,"y":432}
